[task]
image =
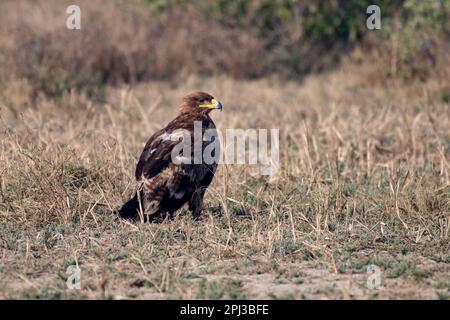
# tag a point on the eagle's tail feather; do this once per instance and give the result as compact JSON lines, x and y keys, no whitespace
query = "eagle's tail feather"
{"x":130,"y":209}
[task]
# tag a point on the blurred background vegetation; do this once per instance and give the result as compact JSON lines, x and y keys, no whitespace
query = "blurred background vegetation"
{"x":127,"y":42}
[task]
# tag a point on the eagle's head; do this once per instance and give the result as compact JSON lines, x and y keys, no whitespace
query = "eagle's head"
{"x":199,"y":102}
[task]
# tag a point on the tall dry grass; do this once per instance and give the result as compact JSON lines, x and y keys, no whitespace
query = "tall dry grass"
{"x":331,"y":130}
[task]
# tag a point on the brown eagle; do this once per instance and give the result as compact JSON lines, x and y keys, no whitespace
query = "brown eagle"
{"x":166,"y":179}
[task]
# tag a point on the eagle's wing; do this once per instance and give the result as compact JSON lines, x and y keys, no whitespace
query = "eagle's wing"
{"x":156,"y":155}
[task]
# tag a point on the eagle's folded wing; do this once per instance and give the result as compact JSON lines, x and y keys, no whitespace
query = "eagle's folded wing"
{"x":157,"y":154}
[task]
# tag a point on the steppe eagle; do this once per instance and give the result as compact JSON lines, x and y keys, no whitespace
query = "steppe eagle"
{"x":165,"y":185}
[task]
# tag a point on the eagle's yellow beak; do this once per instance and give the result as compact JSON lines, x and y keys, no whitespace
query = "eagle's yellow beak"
{"x":213,"y":105}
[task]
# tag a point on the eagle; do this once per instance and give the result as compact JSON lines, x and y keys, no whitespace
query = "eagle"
{"x":167,"y":179}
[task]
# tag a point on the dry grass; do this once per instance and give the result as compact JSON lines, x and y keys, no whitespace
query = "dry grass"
{"x":364,"y":179}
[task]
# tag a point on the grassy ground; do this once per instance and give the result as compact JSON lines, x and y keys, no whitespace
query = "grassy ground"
{"x":364,"y":180}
